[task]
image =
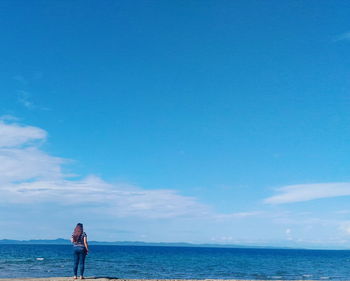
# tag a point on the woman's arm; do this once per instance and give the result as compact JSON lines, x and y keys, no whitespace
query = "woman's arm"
{"x":86,"y":244}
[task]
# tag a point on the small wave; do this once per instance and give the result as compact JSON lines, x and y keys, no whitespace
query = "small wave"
{"x":39,"y":259}
{"x":325,"y":277}
{"x":276,"y":277}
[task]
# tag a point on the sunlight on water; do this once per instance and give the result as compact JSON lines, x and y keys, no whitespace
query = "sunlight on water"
{"x":176,"y":262}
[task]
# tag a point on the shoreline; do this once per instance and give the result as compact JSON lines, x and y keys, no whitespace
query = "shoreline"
{"x":121,"y":279}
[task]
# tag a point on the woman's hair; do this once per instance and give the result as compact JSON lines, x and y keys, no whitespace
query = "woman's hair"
{"x":78,"y":230}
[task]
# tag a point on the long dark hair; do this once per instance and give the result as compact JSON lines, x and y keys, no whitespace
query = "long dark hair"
{"x":78,"y":230}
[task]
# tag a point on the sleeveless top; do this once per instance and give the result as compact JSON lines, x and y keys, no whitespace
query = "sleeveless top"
{"x":80,"y":241}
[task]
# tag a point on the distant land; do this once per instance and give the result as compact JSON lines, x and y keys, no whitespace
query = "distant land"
{"x":61,"y":241}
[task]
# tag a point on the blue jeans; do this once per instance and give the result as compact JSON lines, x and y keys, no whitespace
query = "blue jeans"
{"x":79,"y":254}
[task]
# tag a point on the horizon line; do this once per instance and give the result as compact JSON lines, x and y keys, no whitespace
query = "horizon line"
{"x":174,"y":244}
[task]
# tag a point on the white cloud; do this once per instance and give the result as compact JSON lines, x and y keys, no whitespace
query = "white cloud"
{"x":12,"y":135}
{"x":288,"y":232}
{"x":28,"y":164}
{"x":239,"y":215}
{"x":119,"y":200}
{"x":342,"y":212}
{"x":29,"y":175}
{"x":9,"y":118}
{"x":33,"y":180}
{"x":307,"y":192}
{"x":223,"y":239}
{"x":344,"y":227}
{"x":20,"y":156}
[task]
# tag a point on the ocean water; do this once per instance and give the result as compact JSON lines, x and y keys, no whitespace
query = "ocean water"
{"x":176,"y":262}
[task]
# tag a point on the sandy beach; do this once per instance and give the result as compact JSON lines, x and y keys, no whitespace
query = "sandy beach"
{"x":118,"y":279}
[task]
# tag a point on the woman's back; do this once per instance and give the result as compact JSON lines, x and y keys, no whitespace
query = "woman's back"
{"x":80,"y":249}
{"x":80,"y":240}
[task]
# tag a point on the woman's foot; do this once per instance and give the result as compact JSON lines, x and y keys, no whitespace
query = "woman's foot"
{"x":81,"y":278}
{"x":75,"y":277}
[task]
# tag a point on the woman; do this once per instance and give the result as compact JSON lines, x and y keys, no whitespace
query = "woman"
{"x":80,"y":249}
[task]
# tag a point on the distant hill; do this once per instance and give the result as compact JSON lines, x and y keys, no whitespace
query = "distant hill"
{"x":61,"y":241}
{"x":58,"y":241}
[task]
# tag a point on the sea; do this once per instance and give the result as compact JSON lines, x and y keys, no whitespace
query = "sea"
{"x":162,"y":262}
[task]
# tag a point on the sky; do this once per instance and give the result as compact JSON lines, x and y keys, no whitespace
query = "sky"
{"x":221,"y":122}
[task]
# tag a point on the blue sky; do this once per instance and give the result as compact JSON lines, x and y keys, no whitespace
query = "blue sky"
{"x":195,"y":121}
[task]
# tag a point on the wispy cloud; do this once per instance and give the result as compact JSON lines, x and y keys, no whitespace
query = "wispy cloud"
{"x":307,"y":192}
{"x":239,"y":215}
{"x":20,"y":78}
{"x":26,"y":79}
{"x":30,"y":175}
{"x":342,"y":212}
{"x":24,"y":99}
{"x":289,"y":235}
{"x":345,"y":227}
{"x":8,"y":118}
{"x":14,"y":135}
{"x":36,"y":181}
{"x":342,"y":37}
{"x":115,"y":200}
